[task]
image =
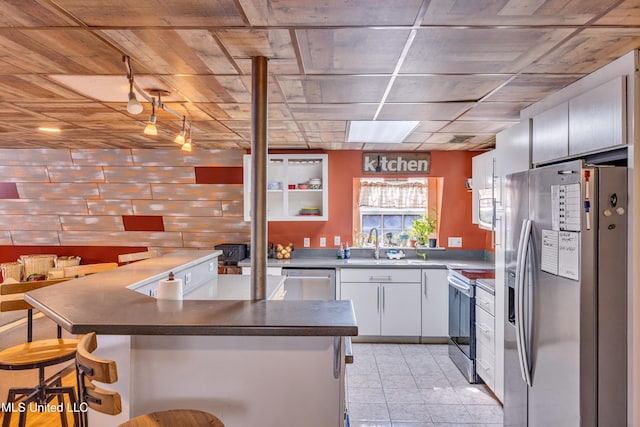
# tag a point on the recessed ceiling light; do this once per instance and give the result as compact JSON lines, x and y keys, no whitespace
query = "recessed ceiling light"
{"x":45,"y":129}
{"x":380,"y":131}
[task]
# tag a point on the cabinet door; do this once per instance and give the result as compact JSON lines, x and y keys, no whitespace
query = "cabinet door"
{"x":550,"y":138}
{"x":435,"y":303}
{"x":366,"y":304}
{"x":400,"y":309}
{"x":597,"y":118}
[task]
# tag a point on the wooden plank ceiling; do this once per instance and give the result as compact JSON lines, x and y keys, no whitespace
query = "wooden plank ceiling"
{"x":463,"y":68}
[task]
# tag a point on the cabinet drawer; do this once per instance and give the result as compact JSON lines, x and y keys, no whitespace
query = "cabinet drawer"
{"x":381,"y":275}
{"x":485,"y":329}
{"x":485,"y":300}
{"x":485,"y":365}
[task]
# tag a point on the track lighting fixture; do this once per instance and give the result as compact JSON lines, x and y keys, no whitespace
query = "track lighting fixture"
{"x":179,"y":139}
{"x":134,"y":107}
{"x":151,"y":128}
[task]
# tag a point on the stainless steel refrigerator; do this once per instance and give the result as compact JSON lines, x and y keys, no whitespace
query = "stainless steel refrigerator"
{"x":566,"y":297}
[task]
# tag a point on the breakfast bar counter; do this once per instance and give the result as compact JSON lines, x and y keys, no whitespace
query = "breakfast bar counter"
{"x":267,"y":363}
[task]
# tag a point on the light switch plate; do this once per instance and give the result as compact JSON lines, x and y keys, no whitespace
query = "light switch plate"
{"x":306,"y":242}
{"x":336,"y":240}
{"x":323,"y":242}
{"x":455,"y":242}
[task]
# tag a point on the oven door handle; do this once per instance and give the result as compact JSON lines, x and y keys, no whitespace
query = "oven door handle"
{"x":465,"y":289}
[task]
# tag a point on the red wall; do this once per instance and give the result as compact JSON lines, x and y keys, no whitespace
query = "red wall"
{"x":453,"y":166}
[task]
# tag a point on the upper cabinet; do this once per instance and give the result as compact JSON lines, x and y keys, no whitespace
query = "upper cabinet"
{"x":297,"y":187}
{"x":550,"y":137}
{"x":590,"y":122}
{"x":482,"y":170}
{"x":597,"y":118}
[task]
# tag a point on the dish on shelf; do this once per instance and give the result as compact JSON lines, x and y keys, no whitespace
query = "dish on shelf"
{"x":302,"y":186}
{"x":310,"y":211}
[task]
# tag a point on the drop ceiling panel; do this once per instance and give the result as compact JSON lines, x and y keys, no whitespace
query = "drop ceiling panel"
{"x":32,"y":13}
{"x":426,"y":111}
{"x":58,"y":51}
{"x":243,"y":111}
{"x":589,"y":50}
{"x":627,"y":13}
{"x":479,"y":50}
{"x":132,"y":13}
{"x":34,"y":87}
{"x":506,"y":111}
{"x":477,"y":126}
{"x":351,"y":50}
{"x":167,"y":51}
{"x":514,"y":12}
{"x":333,"y":111}
{"x":333,"y":89}
{"x":330,"y":12}
{"x":274,"y":43}
{"x":532,"y":87}
{"x":443,"y":88}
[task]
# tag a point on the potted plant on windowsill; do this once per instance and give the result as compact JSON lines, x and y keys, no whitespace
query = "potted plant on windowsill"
{"x":422,"y":229}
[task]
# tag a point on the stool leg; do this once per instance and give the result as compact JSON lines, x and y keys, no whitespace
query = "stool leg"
{"x":6,"y":419}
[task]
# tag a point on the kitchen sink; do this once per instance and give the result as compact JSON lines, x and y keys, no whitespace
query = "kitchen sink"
{"x":370,"y":261}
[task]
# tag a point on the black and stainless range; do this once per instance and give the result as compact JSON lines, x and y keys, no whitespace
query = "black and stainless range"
{"x":462,"y":329}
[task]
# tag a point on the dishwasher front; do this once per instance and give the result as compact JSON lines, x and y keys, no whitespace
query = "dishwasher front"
{"x":309,"y":284}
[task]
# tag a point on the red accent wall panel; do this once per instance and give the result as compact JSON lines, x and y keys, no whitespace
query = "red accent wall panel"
{"x":89,"y":254}
{"x":218,"y":175}
{"x":142,"y":223}
{"x":9,"y":190}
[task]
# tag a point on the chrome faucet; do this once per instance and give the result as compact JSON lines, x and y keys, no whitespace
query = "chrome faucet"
{"x":376,"y":251}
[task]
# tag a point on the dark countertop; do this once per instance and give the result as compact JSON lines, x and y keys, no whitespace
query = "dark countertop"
{"x":104,"y":303}
{"x":488,"y":285}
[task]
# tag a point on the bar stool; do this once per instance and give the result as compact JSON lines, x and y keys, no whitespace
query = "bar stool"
{"x":91,"y":368}
{"x":36,"y":355}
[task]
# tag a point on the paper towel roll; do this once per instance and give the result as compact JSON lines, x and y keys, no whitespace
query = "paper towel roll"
{"x":170,"y":289}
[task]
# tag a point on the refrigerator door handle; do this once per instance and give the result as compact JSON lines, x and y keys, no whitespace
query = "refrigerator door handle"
{"x":523,"y":350}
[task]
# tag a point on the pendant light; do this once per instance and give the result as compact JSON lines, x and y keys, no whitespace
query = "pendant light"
{"x":151,"y":128}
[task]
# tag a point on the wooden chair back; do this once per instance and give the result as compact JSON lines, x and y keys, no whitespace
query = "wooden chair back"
{"x":92,"y":368}
{"x":136,"y":256}
{"x":83,"y":270}
{"x":21,"y":304}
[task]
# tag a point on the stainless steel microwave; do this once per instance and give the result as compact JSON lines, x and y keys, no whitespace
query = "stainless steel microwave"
{"x":485,"y":209}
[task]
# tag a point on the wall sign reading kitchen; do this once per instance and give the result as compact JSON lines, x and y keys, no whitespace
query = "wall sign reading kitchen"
{"x":401,"y":163}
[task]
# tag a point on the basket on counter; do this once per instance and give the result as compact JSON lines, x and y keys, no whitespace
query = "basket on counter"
{"x":67,"y":261}
{"x":11,"y":270}
{"x":38,"y":264}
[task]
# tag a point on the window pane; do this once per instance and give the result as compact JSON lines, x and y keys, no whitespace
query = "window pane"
{"x":370,"y":221}
{"x":392,"y":221}
{"x":408,"y":220}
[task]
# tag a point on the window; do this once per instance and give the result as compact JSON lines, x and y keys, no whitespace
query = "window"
{"x":390,"y":206}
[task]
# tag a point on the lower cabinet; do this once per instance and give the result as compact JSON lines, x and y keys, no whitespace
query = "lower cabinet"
{"x":485,"y":337}
{"x":435,"y":303}
{"x":385,"y":302}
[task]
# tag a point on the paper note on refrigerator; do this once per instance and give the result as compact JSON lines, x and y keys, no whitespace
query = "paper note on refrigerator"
{"x":549,"y":258}
{"x":569,"y":255}
{"x":565,"y":207}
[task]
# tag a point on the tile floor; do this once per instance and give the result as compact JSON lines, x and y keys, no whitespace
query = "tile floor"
{"x":414,"y":385}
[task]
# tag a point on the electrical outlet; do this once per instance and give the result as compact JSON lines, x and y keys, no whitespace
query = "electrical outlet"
{"x":323,"y":242}
{"x":455,"y":242}
{"x":307,"y":242}
{"x":211,"y":266}
{"x":187,"y":278}
{"x":336,"y":240}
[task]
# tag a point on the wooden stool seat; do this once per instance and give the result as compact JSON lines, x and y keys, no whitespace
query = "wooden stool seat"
{"x":175,"y":417}
{"x":32,"y":355}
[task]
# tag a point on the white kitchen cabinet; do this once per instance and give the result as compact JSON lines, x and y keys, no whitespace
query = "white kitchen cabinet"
{"x":485,"y":337}
{"x":482,"y":171}
{"x":550,"y":134}
{"x":435,"y":303}
{"x":597,"y":118}
{"x":292,"y":204}
{"x":386,"y":302}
